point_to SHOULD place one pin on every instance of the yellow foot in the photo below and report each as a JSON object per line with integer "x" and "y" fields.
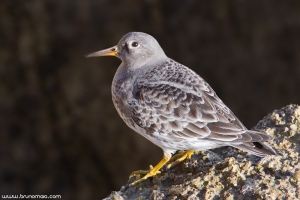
{"x": 142, "y": 172}
{"x": 180, "y": 157}
{"x": 152, "y": 172}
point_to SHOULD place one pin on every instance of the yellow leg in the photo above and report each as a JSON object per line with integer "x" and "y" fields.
{"x": 180, "y": 157}
{"x": 152, "y": 172}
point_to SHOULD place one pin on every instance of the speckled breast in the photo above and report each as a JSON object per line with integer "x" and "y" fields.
{"x": 121, "y": 94}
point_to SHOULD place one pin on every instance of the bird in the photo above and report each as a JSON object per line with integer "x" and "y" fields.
{"x": 172, "y": 106}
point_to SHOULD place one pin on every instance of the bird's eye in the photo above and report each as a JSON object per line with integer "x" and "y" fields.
{"x": 134, "y": 44}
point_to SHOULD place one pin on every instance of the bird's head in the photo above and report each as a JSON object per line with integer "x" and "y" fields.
{"x": 135, "y": 49}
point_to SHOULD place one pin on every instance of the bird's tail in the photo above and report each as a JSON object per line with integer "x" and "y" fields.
{"x": 256, "y": 148}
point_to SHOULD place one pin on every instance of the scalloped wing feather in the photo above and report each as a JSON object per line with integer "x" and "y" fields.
{"x": 180, "y": 104}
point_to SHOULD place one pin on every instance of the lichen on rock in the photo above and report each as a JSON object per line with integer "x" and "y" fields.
{"x": 229, "y": 173}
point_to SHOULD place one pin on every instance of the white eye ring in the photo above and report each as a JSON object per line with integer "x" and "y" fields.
{"x": 135, "y": 44}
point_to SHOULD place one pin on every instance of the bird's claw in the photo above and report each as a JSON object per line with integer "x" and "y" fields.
{"x": 179, "y": 158}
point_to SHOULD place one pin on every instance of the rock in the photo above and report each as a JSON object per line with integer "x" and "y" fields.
{"x": 229, "y": 173}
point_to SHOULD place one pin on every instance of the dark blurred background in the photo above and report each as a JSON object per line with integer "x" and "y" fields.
{"x": 59, "y": 131}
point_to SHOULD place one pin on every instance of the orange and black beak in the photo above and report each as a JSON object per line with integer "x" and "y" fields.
{"x": 112, "y": 51}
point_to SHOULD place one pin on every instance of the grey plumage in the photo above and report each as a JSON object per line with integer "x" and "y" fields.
{"x": 171, "y": 105}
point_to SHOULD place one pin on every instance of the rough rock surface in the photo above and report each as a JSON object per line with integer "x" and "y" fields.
{"x": 229, "y": 173}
